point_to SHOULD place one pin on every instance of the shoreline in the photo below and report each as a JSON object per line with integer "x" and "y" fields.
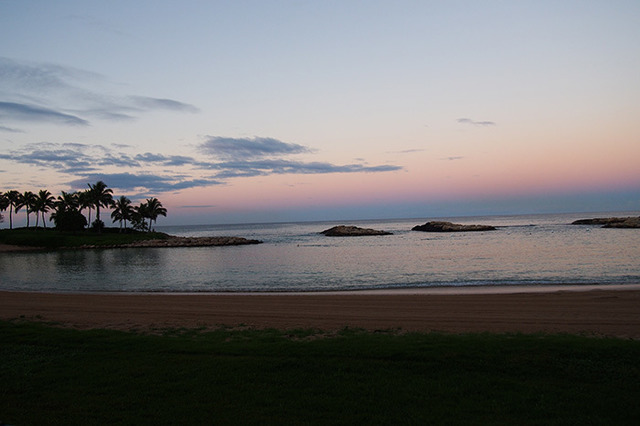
{"x": 171, "y": 242}
{"x": 593, "y": 311}
{"x": 433, "y": 290}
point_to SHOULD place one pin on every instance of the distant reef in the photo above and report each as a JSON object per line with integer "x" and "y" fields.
{"x": 451, "y": 227}
{"x": 611, "y": 222}
{"x": 352, "y": 231}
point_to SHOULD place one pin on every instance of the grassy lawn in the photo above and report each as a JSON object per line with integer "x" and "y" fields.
{"x": 51, "y": 238}
{"x": 59, "y": 376}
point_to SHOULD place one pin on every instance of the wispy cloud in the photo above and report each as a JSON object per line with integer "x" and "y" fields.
{"x": 69, "y": 96}
{"x": 165, "y": 160}
{"x": 36, "y": 77}
{"x": 22, "y": 112}
{"x": 260, "y": 156}
{"x": 135, "y": 171}
{"x": 281, "y": 166}
{"x": 162, "y": 104}
{"x": 406, "y": 151}
{"x": 10, "y": 130}
{"x": 143, "y": 183}
{"x": 66, "y": 158}
{"x": 475, "y": 123}
{"x": 452, "y": 158}
{"x": 248, "y": 148}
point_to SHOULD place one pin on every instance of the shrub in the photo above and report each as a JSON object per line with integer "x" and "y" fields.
{"x": 70, "y": 220}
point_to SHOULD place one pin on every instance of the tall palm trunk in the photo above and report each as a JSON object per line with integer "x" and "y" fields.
{"x": 98, "y": 218}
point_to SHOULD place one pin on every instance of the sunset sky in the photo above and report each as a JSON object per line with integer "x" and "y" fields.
{"x": 267, "y": 111}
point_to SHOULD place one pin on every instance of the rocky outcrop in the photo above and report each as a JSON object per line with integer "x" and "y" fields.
{"x": 352, "y": 231}
{"x": 611, "y": 222}
{"x": 630, "y": 222}
{"x": 451, "y": 227}
{"x": 184, "y": 242}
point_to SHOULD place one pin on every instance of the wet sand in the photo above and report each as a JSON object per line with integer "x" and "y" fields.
{"x": 592, "y": 310}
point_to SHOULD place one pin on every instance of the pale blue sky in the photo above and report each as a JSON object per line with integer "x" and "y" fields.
{"x": 354, "y": 108}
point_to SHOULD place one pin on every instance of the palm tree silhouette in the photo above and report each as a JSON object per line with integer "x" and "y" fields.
{"x": 123, "y": 210}
{"x": 4, "y": 204}
{"x": 68, "y": 208}
{"x": 44, "y": 203}
{"x": 67, "y": 215}
{"x": 140, "y": 213}
{"x": 67, "y": 201}
{"x": 28, "y": 201}
{"x": 14, "y": 199}
{"x": 101, "y": 196}
{"x": 154, "y": 209}
{"x": 84, "y": 202}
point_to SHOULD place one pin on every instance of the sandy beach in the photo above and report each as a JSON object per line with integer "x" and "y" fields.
{"x": 592, "y": 310}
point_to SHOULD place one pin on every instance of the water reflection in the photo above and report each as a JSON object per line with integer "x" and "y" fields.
{"x": 296, "y": 257}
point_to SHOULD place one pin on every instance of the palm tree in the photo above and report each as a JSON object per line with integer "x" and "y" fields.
{"x": 14, "y": 199}
{"x": 67, "y": 201}
{"x": 154, "y": 209}
{"x": 123, "y": 210}
{"x": 101, "y": 196}
{"x": 4, "y": 204}
{"x": 44, "y": 203}
{"x": 140, "y": 213}
{"x": 28, "y": 201}
{"x": 84, "y": 201}
{"x": 67, "y": 215}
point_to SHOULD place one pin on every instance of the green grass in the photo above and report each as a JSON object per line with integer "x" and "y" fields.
{"x": 59, "y": 376}
{"x": 51, "y": 238}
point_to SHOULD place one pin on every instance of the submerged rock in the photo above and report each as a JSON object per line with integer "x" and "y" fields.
{"x": 451, "y": 227}
{"x": 352, "y": 231}
{"x": 181, "y": 242}
{"x": 611, "y": 222}
{"x": 194, "y": 242}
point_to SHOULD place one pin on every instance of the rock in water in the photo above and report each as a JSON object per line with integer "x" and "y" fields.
{"x": 352, "y": 231}
{"x": 451, "y": 227}
{"x": 611, "y": 222}
{"x": 629, "y": 222}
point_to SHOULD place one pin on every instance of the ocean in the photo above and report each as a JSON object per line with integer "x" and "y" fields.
{"x": 525, "y": 250}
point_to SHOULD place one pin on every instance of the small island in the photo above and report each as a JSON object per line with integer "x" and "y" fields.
{"x": 451, "y": 227}
{"x": 611, "y": 222}
{"x": 352, "y": 231}
{"x": 23, "y": 239}
{"x": 74, "y": 230}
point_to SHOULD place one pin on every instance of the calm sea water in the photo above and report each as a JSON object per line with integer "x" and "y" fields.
{"x": 525, "y": 250}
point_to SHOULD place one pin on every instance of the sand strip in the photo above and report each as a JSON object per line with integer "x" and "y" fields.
{"x": 602, "y": 312}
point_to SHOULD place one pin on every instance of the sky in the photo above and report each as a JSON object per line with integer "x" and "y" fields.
{"x": 275, "y": 111}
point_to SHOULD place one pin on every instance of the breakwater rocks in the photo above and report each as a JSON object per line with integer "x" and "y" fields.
{"x": 182, "y": 242}
{"x": 611, "y": 222}
{"x": 352, "y": 231}
{"x": 451, "y": 227}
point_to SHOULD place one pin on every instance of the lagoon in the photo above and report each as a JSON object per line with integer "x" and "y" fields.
{"x": 525, "y": 250}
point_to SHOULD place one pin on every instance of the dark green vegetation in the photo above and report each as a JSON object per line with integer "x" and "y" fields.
{"x": 61, "y": 376}
{"x": 52, "y": 238}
